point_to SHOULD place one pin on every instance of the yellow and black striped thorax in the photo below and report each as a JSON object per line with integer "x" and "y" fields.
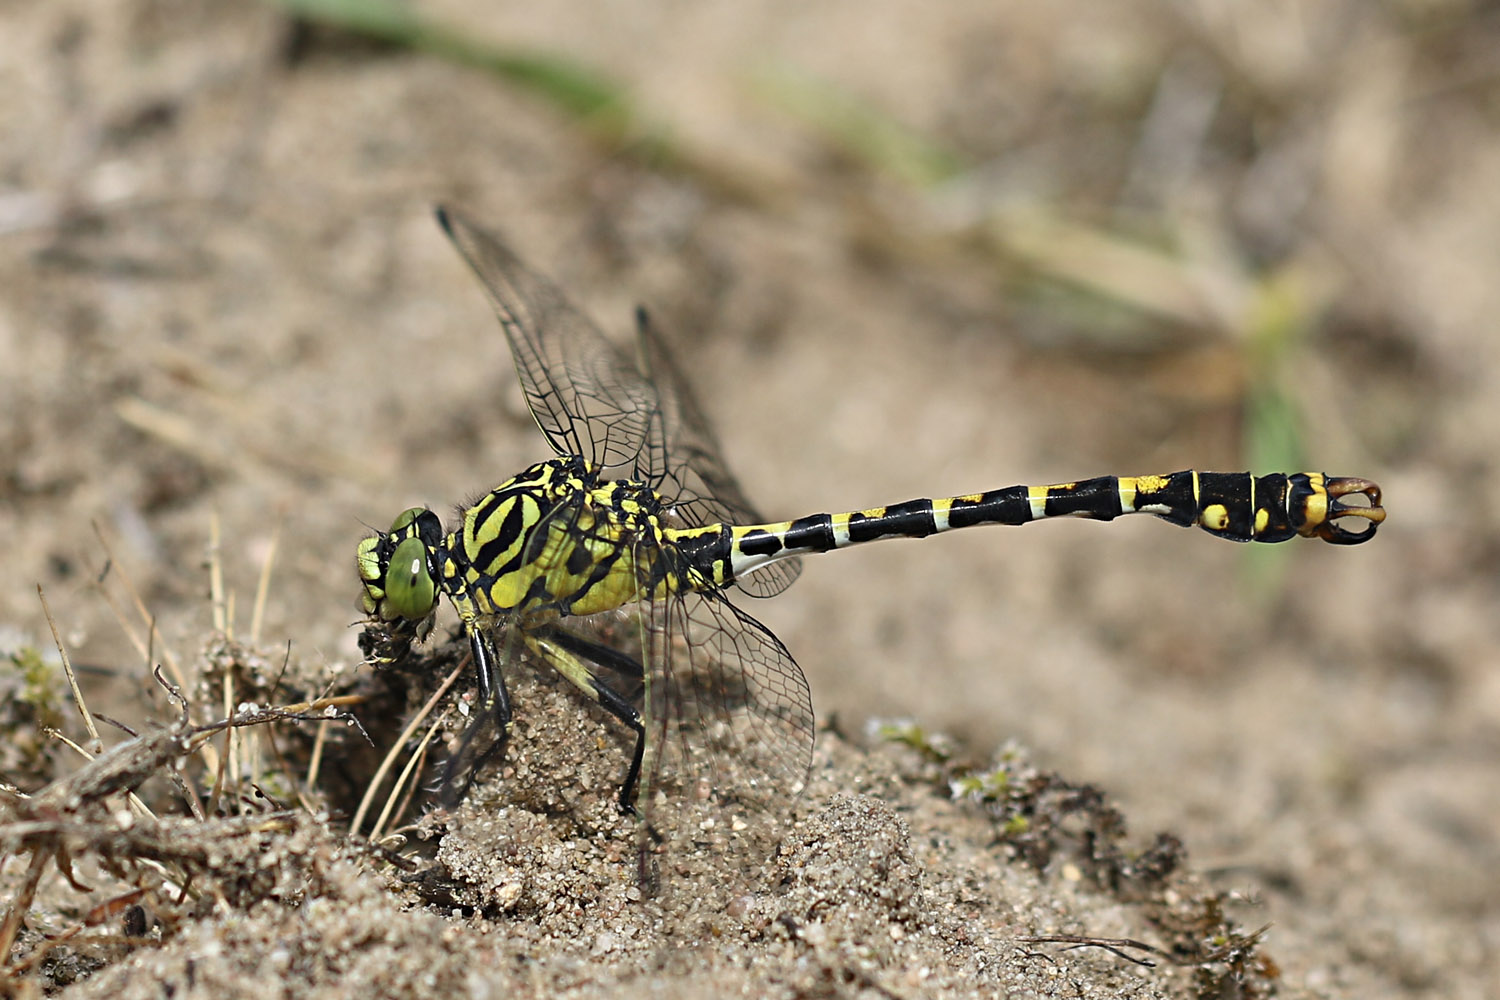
{"x": 554, "y": 540}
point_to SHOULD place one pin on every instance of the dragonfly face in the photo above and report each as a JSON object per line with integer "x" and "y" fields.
{"x": 554, "y": 540}
{"x": 399, "y": 569}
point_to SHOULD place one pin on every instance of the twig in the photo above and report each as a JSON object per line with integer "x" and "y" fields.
{"x": 1114, "y": 946}
{"x": 21, "y": 904}
{"x": 118, "y": 569}
{"x": 416, "y": 757}
{"x": 257, "y": 616}
{"x": 216, "y": 576}
{"x": 390, "y": 757}
{"x": 95, "y": 743}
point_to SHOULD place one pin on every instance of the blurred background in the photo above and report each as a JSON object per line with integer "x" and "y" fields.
{"x": 903, "y": 250}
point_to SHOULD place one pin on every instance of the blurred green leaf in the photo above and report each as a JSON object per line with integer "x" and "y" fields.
{"x": 861, "y": 131}
{"x": 567, "y": 85}
{"x": 1274, "y": 436}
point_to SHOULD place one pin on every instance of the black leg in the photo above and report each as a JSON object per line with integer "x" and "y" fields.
{"x": 493, "y": 696}
{"x": 494, "y": 705}
{"x": 606, "y": 656}
{"x": 611, "y": 700}
{"x": 626, "y": 713}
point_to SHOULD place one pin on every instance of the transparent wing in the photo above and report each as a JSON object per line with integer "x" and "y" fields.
{"x": 590, "y": 400}
{"x": 684, "y": 462}
{"x": 586, "y": 397}
{"x": 726, "y": 707}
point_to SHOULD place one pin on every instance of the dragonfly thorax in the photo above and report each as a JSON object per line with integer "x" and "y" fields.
{"x": 555, "y": 540}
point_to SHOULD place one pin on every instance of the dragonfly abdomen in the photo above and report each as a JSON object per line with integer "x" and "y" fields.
{"x": 1233, "y": 505}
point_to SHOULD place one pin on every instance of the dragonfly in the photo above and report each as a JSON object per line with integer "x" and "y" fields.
{"x": 637, "y": 523}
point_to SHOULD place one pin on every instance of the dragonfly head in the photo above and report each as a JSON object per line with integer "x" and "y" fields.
{"x": 399, "y": 571}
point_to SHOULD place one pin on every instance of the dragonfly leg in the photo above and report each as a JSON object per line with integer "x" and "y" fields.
{"x": 494, "y": 705}
{"x": 494, "y": 699}
{"x": 565, "y": 652}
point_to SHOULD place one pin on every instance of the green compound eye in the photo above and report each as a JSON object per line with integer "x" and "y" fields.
{"x": 368, "y": 560}
{"x": 371, "y": 573}
{"x": 405, "y": 519}
{"x": 409, "y": 588}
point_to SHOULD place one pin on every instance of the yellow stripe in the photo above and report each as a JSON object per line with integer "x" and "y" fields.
{"x": 1037, "y": 497}
{"x": 940, "y": 510}
{"x": 840, "y": 530}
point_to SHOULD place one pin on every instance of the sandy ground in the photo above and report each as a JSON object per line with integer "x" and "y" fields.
{"x": 902, "y": 254}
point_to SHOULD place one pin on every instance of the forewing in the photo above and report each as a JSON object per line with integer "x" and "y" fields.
{"x": 587, "y": 398}
{"x": 683, "y": 461}
{"x": 590, "y": 400}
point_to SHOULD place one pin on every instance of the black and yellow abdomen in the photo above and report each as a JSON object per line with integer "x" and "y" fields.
{"x": 1234, "y": 505}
